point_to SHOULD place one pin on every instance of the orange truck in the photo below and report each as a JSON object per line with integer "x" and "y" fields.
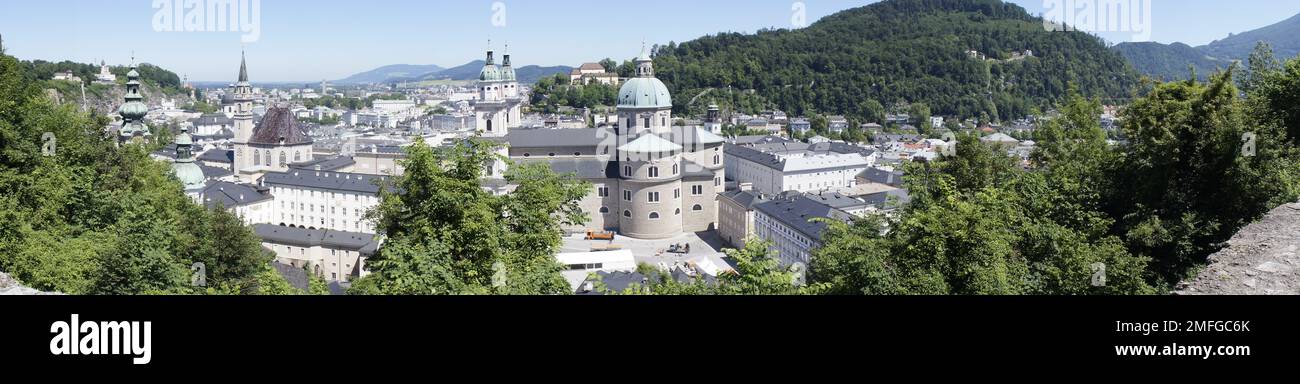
{"x": 594, "y": 235}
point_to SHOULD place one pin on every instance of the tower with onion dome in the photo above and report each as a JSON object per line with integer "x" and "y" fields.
{"x": 133, "y": 111}
{"x": 190, "y": 175}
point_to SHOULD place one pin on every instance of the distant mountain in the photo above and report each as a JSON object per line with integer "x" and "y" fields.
{"x": 389, "y": 73}
{"x": 1171, "y": 61}
{"x": 1283, "y": 36}
{"x": 469, "y": 71}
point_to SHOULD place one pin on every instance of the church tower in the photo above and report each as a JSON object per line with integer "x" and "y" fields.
{"x": 133, "y": 111}
{"x": 491, "y": 110}
{"x": 243, "y": 119}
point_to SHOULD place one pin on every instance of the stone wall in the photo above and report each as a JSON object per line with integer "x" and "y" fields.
{"x": 1262, "y": 259}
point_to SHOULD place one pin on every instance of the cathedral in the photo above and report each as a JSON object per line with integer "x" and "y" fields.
{"x": 650, "y": 179}
{"x": 498, "y": 106}
{"x": 270, "y": 146}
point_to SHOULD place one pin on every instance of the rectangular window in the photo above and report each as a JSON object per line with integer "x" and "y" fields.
{"x": 602, "y": 191}
{"x": 654, "y": 197}
{"x": 697, "y": 190}
{"x": 627, "y": 195}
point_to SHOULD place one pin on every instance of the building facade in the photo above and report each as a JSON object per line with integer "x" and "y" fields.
{"x": 322, "y": 200}
{"x": 650, "y": 179}
{"x": 775, "y": 167}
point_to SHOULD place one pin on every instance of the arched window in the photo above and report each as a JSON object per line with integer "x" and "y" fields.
{"x": 654, "y": 215}
{"x": 604, "y": 210}
{"x": 268, "y": 157}
{"x": 489, "y": 125}
{"x": 297, "y": 157}
{"x": 675, "y": 169}
{"x": 627, "y": 213}
{"x": 551, "y": 154}
{"x": 697, "y": 207}
{"x": 284, "y": 159}
{"x": 678, "y": 212}
{"x": 257, "y": 157}
{"x": 527, "y": 154}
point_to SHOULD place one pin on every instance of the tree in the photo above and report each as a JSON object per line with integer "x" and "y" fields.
{"x": 1191, "y": 174}
{"x": 446, "y": 235}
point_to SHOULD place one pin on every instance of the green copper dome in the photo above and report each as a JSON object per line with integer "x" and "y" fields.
{"x": 644, "y": 92}
{"x": 489, "y": 73}
{"x": 189, "y": 174}
{"x": 133, "y": 110}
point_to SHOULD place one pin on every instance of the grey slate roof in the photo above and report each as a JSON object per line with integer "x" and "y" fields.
{"x": 229, "y": 194}
{"x": 881, "y": 200}
{"x": 880, "y": 176}
{"x": 751, "y": 140}
{"x": 325, "y": 164}
{"x": 837, "y": 200}
{"x": 334, "y": 181}
{"x": 212, "y": 119}
{"x": 745, "y": 199}
{"x": 798, "y": 214}
{"x": 214, "y": 172}
{"x": 549, "y": 138}
{"x": 218, "y": 156}
{"x": 302, "y": 237}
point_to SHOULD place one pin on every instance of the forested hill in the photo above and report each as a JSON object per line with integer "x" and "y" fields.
{"x": 902, "y": 50}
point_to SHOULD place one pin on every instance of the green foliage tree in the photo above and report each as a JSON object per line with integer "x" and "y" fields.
{"x": 446, "y": 235}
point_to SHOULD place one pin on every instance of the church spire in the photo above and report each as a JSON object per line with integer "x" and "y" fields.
{"x": 243, "y": 68}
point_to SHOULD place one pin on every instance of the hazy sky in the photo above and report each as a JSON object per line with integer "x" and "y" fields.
{"x": 311, "y": 40}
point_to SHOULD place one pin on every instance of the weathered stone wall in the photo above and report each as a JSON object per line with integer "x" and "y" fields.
{"x": 9, "y": 286}
{"x": 1262, "y": 259}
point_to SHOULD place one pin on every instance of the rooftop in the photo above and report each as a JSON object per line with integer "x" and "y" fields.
{"x": 302, "y": 237}
{"x": 799, "y": 213}
{"x": 333, "y": 181}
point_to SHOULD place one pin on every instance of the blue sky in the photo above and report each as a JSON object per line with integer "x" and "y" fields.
{"x": 308, "y": 41}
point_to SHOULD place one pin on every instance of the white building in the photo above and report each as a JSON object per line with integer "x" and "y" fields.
{"x": 792, "y": 166}
{"x": 336, "y": 256}
{"x": 789, "y": 225}
{"x": 322, "y": 200}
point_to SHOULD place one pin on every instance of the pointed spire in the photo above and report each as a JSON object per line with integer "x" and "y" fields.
{"x": 243, "y": 68}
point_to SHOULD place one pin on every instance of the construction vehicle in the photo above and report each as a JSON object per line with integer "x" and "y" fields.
{"x": 606, "y": 235}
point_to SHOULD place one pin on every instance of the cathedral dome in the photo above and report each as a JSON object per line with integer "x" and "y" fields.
{"x": 644, "y": 92}
{"x": 489, "y": 73}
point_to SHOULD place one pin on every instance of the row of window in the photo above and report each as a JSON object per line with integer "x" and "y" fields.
{"x": 284, "y": 158}
{"x": 652, "y": 196}
{"x": 653, "y": 215}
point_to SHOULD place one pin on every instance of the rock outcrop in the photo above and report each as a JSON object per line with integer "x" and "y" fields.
{"x": 9, "y": 286}
{"x": 1262, "y": 259}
